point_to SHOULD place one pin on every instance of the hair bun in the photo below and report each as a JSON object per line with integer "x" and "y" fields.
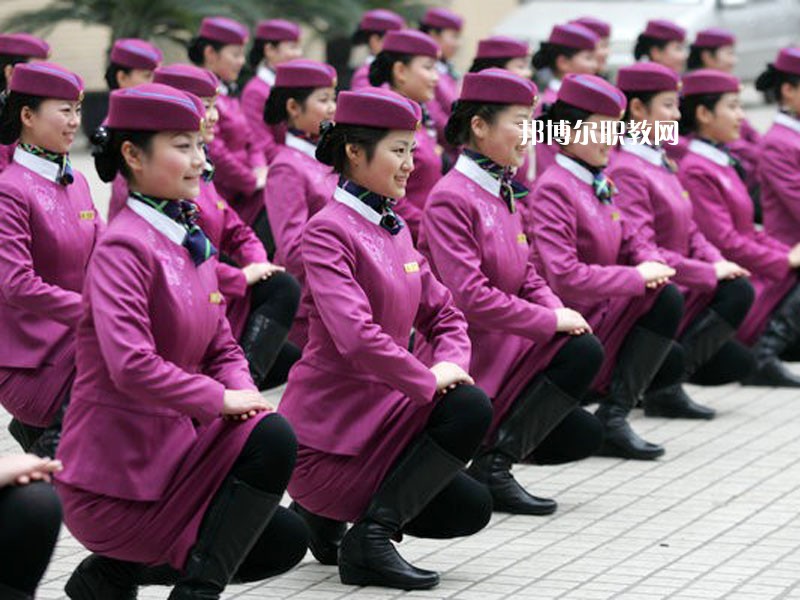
{"x": 326, "y": 127}
{"x": 100, "y": 140}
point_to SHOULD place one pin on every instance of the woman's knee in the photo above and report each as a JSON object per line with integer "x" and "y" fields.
{"x": 576, "y": 365}
{"x": 578, "y": 436}
{"x": 33, "y": 508}
{"x": 733, "y": 300}
{"x": 666, "y": 313}
{"x": 268, "y": 457}
{"x": 281, "y": 293}
{"x": 471, "y": 407}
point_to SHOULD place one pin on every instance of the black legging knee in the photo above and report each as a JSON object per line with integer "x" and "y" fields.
{"x": 576, "y": 364}
{"x": 460, "y": 420}
{"x": 462, "y": 508}
{"x": 578, "y": 436}
{"x": 267, "y": 459}
{"x": 665, "y": 315}
{"x": 733, "y": 300}
{"x": 280, "y": 547}
{"x": 276, "y": 298}
{"x": 30, "y": 518}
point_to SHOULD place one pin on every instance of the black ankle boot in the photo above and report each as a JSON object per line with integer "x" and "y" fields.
{"x": 782, "y": 332}
{"x": 637, "y": 363}
{"x": 261, "y": 341}
{"x": 541, "y": 407}
{"x": 25, "y": 435}
{"x": 47, "y": 443}
{"x": 325, "y": 535}
{"x": 234, "y": 521}
{"x": 672, "y": 402}
{"x": 367, "y": 555}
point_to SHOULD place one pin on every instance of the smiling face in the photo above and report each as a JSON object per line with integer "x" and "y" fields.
{"x": 52, "y": 126}
{"x": 521, "y": 66}
{"x": 584, "y": 61}
{"x": 417, "y": 80}
{"x": 723, "y": 59}
{"x": 664, "y": 106}
{"x": 601, "y": 53}
{"x": 226, "y": 63}
{"x": 723, "y": 124}
{"x": 318, "y": 107}
{"x": 275, "y": 54}
{"x": 673, "y": 55}
{"x": 501, "y": 140}
{"x": 449, "y": 41}
{"x": 171, "y": 166}
{"x": 212, "y": 116}
{"x": 594, "y": 153}
{"x": 391, "y": 164}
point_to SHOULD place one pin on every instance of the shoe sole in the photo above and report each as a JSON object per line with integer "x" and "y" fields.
{"x": 350, "y": 575}
{"x": 614, "y": 451}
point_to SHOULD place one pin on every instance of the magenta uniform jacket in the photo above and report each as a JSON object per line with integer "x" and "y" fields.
{"x": 779, "y": 175}
{"x": 143, "y": 443}
{"x": 357, "y": 397}
{"x": 447, "y": 90}
{"x": 654, "y": 201}
{"x": 724, "y": 212}
{"x": 47, "y": 234}
{"x": 119, "y": 195}
{"x": 298, "y": 187}
{"x": 6, "y": 155}
{"x": 427, "y": 171}
{"x": 234, "y": 239}
{"x": 478, "y": 249}
{"x": 360, "y": 78}
{"x": 588, "y": 254}
{"x": 746, "y": 151}
{"x": 545, "y": 154}
{"x": 236, "y": 153}
{"x": 254, "y": 98}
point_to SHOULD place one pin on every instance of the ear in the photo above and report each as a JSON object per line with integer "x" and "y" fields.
{"x": 209, "y": 54}
{"x": 637, "y": 109}
{"x": 8, "y": 70}
{"x": 270, "y": 51}
{"x": 479, "y": 127}
{"x": 293, "y": 108}
{"x": 26, "y": 116}
{"x": 563, "y": 64}
{"x": 132, "y": 155}
{"x": 788, "y": 90}
{"x": 399, "y": 72}
{"x": 353, "y": 152}
{"x": 121, "y": 76}
{"x": 703, "y": 115}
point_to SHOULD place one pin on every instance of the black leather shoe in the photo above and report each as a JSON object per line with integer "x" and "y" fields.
{"x": 508, "y": 496}
{"x": 672, "y": 402}
{"x": 623, "y": 442}
{"x": 325, "y": 535}
{"x": 102, "y": 578}
{"x": 772, "y": 373}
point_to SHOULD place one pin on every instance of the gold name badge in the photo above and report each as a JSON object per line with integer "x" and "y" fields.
{"x": 87, "y": 215}
{"x": 221, "y": 204}
{"x": 412, "y": 267}
{"x": 215, "y": 298}
{"x": 685, "y": 194}
{"x": 522, "y": 238}
{"x": 615, "y": 216}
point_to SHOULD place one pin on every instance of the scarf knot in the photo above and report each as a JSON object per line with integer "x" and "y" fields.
{"x": 65, "y": 175}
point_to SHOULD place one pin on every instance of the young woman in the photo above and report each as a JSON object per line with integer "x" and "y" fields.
{"x": 779, "y": 163}
{"x": 712, "y": 113}
{"x": 522, "y": 354}
{"x": 299, "y": 185}
{"x": 48, "y": 230}
{"x": 593, "y": 259}
{"x": 241, "y": 171}
{"x": 132, "y": 62}
{"x": 30, "y": 519}
{"x": 276, "y": 42}
{"x": 602, "y": 29}
{"x": 407, "y": 64}
{"x": 383, "y": 436}
{"x": 444, "y": 26}
{"x": 662, "y": 42}
{"x": 261, "y": 298}
{"x": 716, "y": 294}
{"x": 372, "y": 28}
{"x": 16, "y": 48}
{"x": 171, "y": 455}
{"x": 569, "y": 49}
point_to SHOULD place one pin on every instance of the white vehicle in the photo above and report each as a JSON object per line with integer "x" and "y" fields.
{"x": 761, "y": 26}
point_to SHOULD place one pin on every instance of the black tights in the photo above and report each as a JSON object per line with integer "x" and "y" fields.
{"x": 663, "y": 319}
{"x": 458, "y": 424}
{"x": 30, "y": 518}
{"x": 263, "y": 232}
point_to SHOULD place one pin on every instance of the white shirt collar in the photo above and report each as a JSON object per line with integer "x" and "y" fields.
{"x": 441, "y": 66}
{"x": 554, "y": 84}
{"x": 472, "y": 170}
{"x": 357, "y": 205}
{"x": 579, "y": 171}
{"x": 708, "y": 151}
{"x": 173, "y": 231}
{"x": 645, "y": 152}
{"x": 788, "y": 122}
{"x": 41, "y": 166}
{"x": 301, "y": 145}
{"x": 370, "y": 59}
{"x": 266, "y": 74}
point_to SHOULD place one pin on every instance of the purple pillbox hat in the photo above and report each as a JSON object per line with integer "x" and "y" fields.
{"x": 154, "y": 107}
{"x": 714, "y": 37}
{"x": 409, "y": 41}
{"x": 709, "y": 81}
{"x": 441, "y": 18}
{"x": 602, "y": 29}
{"x": 23, "y": 44}
{"x": 223, "y": 30}
{"x": 277, "y": 30}
{"x": 573, "y": 36}
{"x": 379, "y": 108}
{"x": 498, "y": 86}
{"x": 592, "y": 94}
{"x": 788, "y": 61}
{"x": 381, "y": 20}
{"x": 304, "y": 73}
{"x": 500, "y": 46}
{"x": 188, "y": 78}
{"x": 47, "y": 80}
{"x": 136, "y": 54}
{"x": 661, "y": 29}
{"x": 648, "y": 77}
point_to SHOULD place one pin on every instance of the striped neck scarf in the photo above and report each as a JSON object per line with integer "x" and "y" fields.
{"x": 65, "y": 175}
{"x": 510, "y": 190}
{"x": 380, "y": 204}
